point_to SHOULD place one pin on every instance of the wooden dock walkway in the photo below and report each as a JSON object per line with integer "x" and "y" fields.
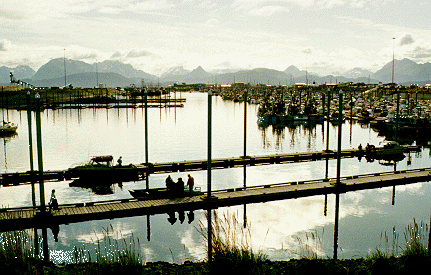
{"x": 10, "y": 179}
{"x": 21, "y": 218}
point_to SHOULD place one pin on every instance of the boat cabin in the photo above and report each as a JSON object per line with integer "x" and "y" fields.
{"x": 101, "y": 161}
{"x": 390, "y": 144}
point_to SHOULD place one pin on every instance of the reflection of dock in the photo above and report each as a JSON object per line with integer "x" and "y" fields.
{"x": 8, "y": 179}
{"x": 15, "y": 218}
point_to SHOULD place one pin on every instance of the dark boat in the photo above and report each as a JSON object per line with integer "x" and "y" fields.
{"x": 391, "y": 150}
{"x": 161, "y": 193}
{"x": 101, "y": 168}
{"x": 8, "y": 128}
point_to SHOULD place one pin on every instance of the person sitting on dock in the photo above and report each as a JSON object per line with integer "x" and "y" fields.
{"x": 53, "y": 204}
{"x": 120, "y": 161}
{"x": 190, "y": 184}
{"x": 360, "y": 147}
{"x": 169, "y": 184}
{"x": 179, "y": 188}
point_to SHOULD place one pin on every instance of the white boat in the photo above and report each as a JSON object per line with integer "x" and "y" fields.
{"x": 8, "y": 128}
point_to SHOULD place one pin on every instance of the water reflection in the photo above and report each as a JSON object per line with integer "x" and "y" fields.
{"x": 181, "y": 216}
{"x": 98, "y": 189}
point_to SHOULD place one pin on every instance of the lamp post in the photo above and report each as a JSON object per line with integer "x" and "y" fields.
{"x": 64, "y": 63}
{"x": 393, "y": 58}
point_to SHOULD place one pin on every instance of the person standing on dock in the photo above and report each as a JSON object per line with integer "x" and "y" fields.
{"x": 53, "y": 204}
{"x": 120, "y": 161}
{"x": 190, "y": 184}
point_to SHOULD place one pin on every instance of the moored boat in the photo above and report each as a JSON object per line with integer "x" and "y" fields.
{"x": 159, "y": 193}
{"x": 389, "y": 148}
{"x": 102, "y": 168}
{"x": 8, "y": 128}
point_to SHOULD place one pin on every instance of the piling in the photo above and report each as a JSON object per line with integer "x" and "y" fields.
{"x": 146, "y": 133}
{"x": 337, "y": 195}
{"x": 41, "y": 184}
{"x": 209, "y": 178}
{"x": 39, "y": 154}
{"x": 30, "y": 144}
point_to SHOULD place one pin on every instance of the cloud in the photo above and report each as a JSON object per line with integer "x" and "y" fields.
{"x": 420, "y": 52}
{"x": 138, "y": 53}
{"x": 81, "y": 56}
{"x": 208, "y": 5}
{"x": 268, "y": 10}
{"x": 308, "y": 50}
{"x": 116, "y": 54}
{"x": 4, "y": 45}
{"x": 212, "y": 22}
{"x": 417, "y": 50}
{"x": 11, "y": 14}
{"x": 407, "y": 39}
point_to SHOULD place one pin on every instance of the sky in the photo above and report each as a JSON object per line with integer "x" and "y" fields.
{"x": 321, "y": 36}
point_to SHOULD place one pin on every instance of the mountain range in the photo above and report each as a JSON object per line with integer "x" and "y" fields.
{"x": 117, "y": 74}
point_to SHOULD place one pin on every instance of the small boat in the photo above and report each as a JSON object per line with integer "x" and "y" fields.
{"x": 390, "y": 148}
{"x": 8, "y": 128}
{"x": 102, "y": 168}
{"x": 159, "y": 193}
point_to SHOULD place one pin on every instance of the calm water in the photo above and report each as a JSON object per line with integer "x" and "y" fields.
{"x": 71, "y": 136}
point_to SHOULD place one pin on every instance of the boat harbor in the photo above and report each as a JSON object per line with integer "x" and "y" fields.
{"x": 280, "y": 175}
{"x": 19, "y": 218}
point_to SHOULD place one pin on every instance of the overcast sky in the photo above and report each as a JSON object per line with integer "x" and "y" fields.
{"x": 322, "y": 36}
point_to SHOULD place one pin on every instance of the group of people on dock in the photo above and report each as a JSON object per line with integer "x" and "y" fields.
{"x": 178, "y": 188}
{"x": 368, "y": 149}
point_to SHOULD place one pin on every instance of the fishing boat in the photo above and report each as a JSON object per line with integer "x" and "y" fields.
{"x": 8, "y": 128}
{"x": 160, "y": 193}
{"x": 271, "y": 112}
{"x": 390, "y": 148}
{"x": 102, "y": 168}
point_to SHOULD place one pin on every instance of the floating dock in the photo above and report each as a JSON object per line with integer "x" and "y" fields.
{"x": 11, "y": 179}
{"x": 30, "y": 217}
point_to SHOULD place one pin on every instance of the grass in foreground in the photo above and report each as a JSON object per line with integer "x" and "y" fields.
{"x": 231, "y": 247}
{"x": 231, "y": 252}
{"x": 16, "y": 253}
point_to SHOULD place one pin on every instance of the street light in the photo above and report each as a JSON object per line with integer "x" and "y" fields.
{"x": 393, "y": 58}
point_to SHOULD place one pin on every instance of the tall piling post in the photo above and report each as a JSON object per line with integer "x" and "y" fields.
{"x": 209, "y": 178}
{"x": 340, "y": 122}
{"x": 209, "y": 148}
{"x": 146, "y": 136}
{"x": 41, "y": 179}
{"x": 398, "y": 115}
{"x": 39, "y": 154}
{"x": 327, "y": 118}
{"x": 30, "y": 144}
{"x": 33, "y": 191}
{"x": 337, "y": 195}
{"x": 245, "y": 152}
{"x": 245, "y": 121}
